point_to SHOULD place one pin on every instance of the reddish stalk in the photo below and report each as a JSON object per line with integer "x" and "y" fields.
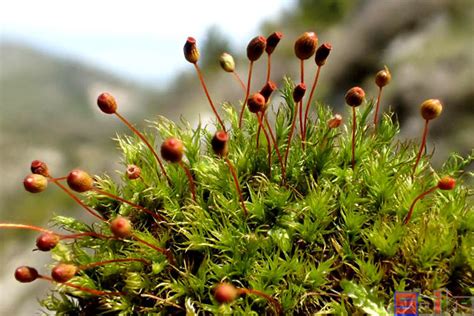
{"x": 140, "y": 135}
{"x": 78, "y": 201}
{"x": 269, "y": 66}
{"x": 301, "y": 102}
{"x": 192, "y": 187}
{"x": 412, "y": 207}
{"x": 376, "y": 115}
{"x": 269, "y": 144}
{"x": 80, "y": 288}
{"x": 166, "y": 252}
{"x": 259, "y": 129}
{"x": 88, "y": 234}
{"x": 271, "y": 300}
{"x": 236, "y": 181}
{"x": 354, "y": 126}
{"x": 242, "y": 84}
{"x": 30, "y": 227}
{"x": 422, "y": 147}
{"x": 290, "y": 136}
{"x": 247, "y": 93}
{"x": 275, "y": 145}
{"x": 308, "y": 103}
{"x": 57, "y": 179}
{"x": 101, "y": 263}
{"x": 203, "y": 84}
{"x": 156, "y": 216}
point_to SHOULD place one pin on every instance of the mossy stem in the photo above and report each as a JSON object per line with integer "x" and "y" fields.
{"x": 166, "y": 252}
{"x": 271, "y": 300}
{"x": 101, "y": 263}
{"x": 156, "y": 216}
{"x": 422, "y": 147}
{"x": 376, "y": 114}
{"x": 203, "y": 84}
{"x": 354, "y": 127}
{"x": 237, "y": 185}
{"x": 81, "y": 288}
{"x": 247, "y": 92}
{"x": 412, "y": 207}
{"x": 192, "y": 187}
{"x": 140, "y": 135}
{"x": 308, "y": 103}
{"x": 78, "y": 201}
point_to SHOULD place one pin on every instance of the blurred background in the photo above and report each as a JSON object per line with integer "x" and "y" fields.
{"x": 57, "y": 56}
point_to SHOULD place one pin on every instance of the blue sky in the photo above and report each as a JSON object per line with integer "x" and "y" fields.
{"x": 140, "y": 39}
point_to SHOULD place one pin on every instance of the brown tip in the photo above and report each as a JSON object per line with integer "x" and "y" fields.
{"x": 63, "y": 272}
{"x": 305, "y": 45}
{"x": 268, "y": 89}
{"x": 80, "y": 181}
{"x": 431, "y": 109}
{"x": 121, "y": 227}
{"x": 322, "y": 54}
{"x": 39, "y": 167}
{"x": 172, "y": 150}
{"x": 446, "y": 183}
{"x": 298, "y": 92}
{"x": 256, "y": 103}
{"x": 335, "y": 121}
{"x": 355, "y": 96}
{"x": 383, "y": 77}
{"x": 47, "y": 241}
{"x": 272, "y": 42}
{"x": 191, "y": 53}
{"x": 220, "y": 143}
{"x": 225, "y": 293}
{"x": 35, "y": 183}
{"x": 256, "y": 47}
{"x": 133, "y": 172}
{"x": 26, "y": 274}
{"x": 107, "y": 103}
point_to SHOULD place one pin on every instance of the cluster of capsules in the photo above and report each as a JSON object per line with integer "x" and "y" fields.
{"x": 172, "y": 151}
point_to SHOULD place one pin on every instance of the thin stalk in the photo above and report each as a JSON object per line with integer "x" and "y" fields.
{"x": 203, "y": 84}
{"x": 259, "y": 130}
{"x": 140, "y": 135}
{"x": 242, "y": 84}
{"x": 57, "y": 179}
{"x": 85, "y": 234}
{"x": 101, "y": 263}
{"x": 78, "y": 201}
{"x": 192, "y": 187}
{"x": 376, "y": 114}
{"x": 354, "y": 126}
{"x": 236, "y": 181}
{"x": 80, "y": 288}
{"x": 247, "y": 92}
{"x": 166, "y": 252}
{"x": 269, "y": 144}
{"x": 301, "y": 102}
{"x": 412, "y": 207}
{"x": 30, "y": 227}
{"x": 308, "y": 103}
{"x": 271, "y": 300}
{"x": 290, "y": 135}
{"x": 156, "y": 216}
{"x": 269, "y": 66}
{"x": 422, "y": 147}
{"x": 275, "y": 145}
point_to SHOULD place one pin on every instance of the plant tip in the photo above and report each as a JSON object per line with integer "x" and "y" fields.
{"x": 305, "y": 45}
{"x": 225, "y": 293}
{"x": 272, "y": 42}
{"x": 63, "y": 272}
{"x": 256, "y": 102}
{"x": 191, "y": 53}
{"x": 446, "y": 183}
{"x": 268, "y": 89}
{"x": 322, "y": 54}
{"x": 172, "y": 150}
{"x": 335, "y": 121}
{"x": 355, "y": 96}
{"x": 383, "y": 77}
{"x": 40, "y": 167}
{"x": 227, "y": 62}
{"x": 121, "y": 227}
{"x": 47, "y": 241}
{"x": 26, "y": 274}
{"x": 133, "y": 172}
{"x": 35, "y": 183}
{"x": 256, "y": 47}
{"x": 220, "y": 143}
{"x": 80, "y": 181}
{"x": 298, "y": 92}
{"x": 431, "y": 109}
{"x": 107, "y": 103}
